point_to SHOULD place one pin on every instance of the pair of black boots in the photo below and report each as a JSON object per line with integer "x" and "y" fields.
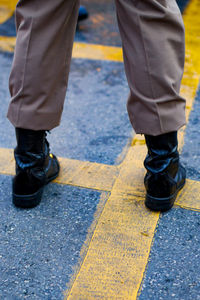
{"x": 36, "y": 167}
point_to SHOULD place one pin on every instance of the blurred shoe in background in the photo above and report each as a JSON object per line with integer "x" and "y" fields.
{"x": 83, "y": 13}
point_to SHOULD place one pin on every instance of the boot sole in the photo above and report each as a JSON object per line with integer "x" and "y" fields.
{"x": 32, "y": 200}
{"x": 28, "y": 201}
{"x": 162, "y": 204}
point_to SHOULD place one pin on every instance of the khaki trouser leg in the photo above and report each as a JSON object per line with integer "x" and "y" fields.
{"x": 38, "y": 80}
{"x": 152, "y": 33}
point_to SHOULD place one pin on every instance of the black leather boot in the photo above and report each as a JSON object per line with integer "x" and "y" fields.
{"x": 165, "y": 175}
{"x": 35, "y": 167}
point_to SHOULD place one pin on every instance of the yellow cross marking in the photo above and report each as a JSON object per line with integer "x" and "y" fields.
{"x": 118, "y": 251}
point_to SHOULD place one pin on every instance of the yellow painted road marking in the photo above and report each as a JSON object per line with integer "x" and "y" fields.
{"x": 102, "y": 177}
{"x": 189, "y": 197}
{"x": 5, "y": 13}
{"x": 80, "y": 50}
{"x": 10, "y": 4}
{"x": 118, "y": 252}
{"x": 73, "y": 172}
{"x": 97, "y": 52}
{"x": 7, "y": 44}
{"x": 86, "y": 174}
{"x": 7, "y": 8}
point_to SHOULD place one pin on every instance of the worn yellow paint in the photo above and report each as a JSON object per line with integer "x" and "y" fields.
{"x": 120, "y": 246}
{"x": 189, "y": 197}
{"x": 7, "y": 44}
{"x": 86, "y": 174}
{"x": 97, "y": 52}
{"x": 10, "y": 4}
{"x": 5, "y": 14}
{"x": 102, "y": 177}
{"x": 191, "y": 76}
{"x": 7, "y": 164}
{"x": 83, "y": 252}
{"x": 80, "y": 50}
{"x": 7, "y": 8}
{"x": 73, "y": 172}
{"x": 114, "y": 262}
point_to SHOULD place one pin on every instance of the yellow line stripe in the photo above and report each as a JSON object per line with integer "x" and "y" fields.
{"x": 189, "y": 197}
{"x": 7, "y": 44}
{"x": 10, "y": 4}
{"x": 97, "y": 52}
{"x": 80, "y": 50}
{"x": 87, "y": 175}
{"x": 118, "y": 252}
{"x": 5, "y": 13}
{"x": 73, "y": 172}
{"x": 102, "y": 177}
{"x": 7, "y": 8}
{"x": 119, "y": 249}
{"x": 190, "y": 80}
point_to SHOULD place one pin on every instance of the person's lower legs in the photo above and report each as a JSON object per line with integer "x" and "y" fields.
{"x": 38, "y": 82}
{"x": 153, "y": 45}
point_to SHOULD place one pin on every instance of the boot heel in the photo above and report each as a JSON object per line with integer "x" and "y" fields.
{"x": 159, "y": 204}
{"x": 28, "y": 201}
{"x": 162, "y": 204}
